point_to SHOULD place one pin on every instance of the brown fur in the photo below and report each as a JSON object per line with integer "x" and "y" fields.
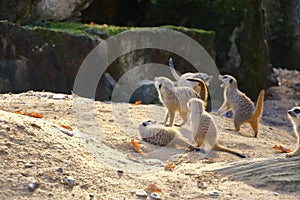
{"x": 294, "y": 115}
{"x": 164, "y": 136}
{"x": 204, "y": 127}
{"x": 242, "y": 107}
{"x": 174, "y": 99}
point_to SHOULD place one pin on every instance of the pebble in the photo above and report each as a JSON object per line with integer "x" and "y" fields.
{"x": 59, "y": 96}
{"x": 91, "y": 195}
{"x": 29, "y": 165}
{"x": 214, "y": 194}
{"x": 141, "y": 193}
{"x": 155, "y": 196}
{"x": 69, "y": 180}
{"x": 32, "y": 186}
{"x": 60, "y": 170}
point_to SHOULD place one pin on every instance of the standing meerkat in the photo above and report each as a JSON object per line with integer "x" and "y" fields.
{"x": 176, "y": 98}
{"x": 182, "y": 80}
{"x": 204, "y": 127}
{"x": 158, "y": 134}
{"x": 294, "y": 115}
{"x": 241, "y": 106}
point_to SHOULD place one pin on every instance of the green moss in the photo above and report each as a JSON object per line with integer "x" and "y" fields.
{"x": 80, "y": 29}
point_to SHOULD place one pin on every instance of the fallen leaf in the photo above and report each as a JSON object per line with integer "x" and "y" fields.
{"x": 34, "y": 114}
{"x": 30, "y": 114}
{"x": 136, "y": 146}
{"x": 66, "y": 127}
{"x": 137, "y": 103}
{"x": 152, "y": 188}
{"x": 170, "y": 167}
{"x": 282, "y": 149}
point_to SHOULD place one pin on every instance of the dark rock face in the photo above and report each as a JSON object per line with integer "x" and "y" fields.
{"x": 283, "y": 32}
{"x": 24, "y": 11}
{"x": 43, "y": 59}
{"x": 40, "y": 59}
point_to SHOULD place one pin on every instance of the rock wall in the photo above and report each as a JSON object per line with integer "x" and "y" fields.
{"x": 25, "y": 11}
{"x": 283, "y": 32}
{"x": 44, "y": 59}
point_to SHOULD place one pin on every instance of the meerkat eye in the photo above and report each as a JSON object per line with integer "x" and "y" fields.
{"x": 230, "y": 81}
{"x": 144, "y": 124}
{"x": 159, "y": 86}
{"x": 297, "y": 111}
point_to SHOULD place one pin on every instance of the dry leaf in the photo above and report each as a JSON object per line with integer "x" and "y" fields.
{"x": 137, "y": 103}
{"x": 170, "y": 167}
{"x": 282, "y": 149}
{"x": 30, "y": 114}
{"x": 152, "y": 188}
{"x": 66, "y": 127}
{"x": 136, "y": 146}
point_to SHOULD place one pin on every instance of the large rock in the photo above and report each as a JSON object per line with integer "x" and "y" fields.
{"x": 45, "y": 59}
{"x": 61, "y": 10}
{"x": 40, "y": 59}
{"x": 24, "y": 11}
{"x": 283, "y": 32}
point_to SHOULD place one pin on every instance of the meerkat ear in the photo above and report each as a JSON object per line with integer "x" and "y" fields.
{"x": 230, "y": 81}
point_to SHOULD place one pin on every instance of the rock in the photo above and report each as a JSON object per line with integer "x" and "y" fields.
{"x": 60, "y": 170}
{"x": 61, "y": 10}
{"x": 213, "y": 194}
{"x": 32, "y": 186}
{"x": 29, "y": 165}
{"x": 155, "y": 196}
{"x": 141, "y": 193}
{"x": 28, "y": 60}
{"x": 69, "y": 180}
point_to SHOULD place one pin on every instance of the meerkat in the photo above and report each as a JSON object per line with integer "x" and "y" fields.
{"x": 294, "y": 115}
{"x": 241, "y": 106}
{"x": 182, "y": 80}
{"x": 158, "y": 134}
{"x": 175, "y": 98}
{"x": 204, "y": 127}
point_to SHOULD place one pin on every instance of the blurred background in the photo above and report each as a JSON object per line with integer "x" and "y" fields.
{"x": 43, "y": 42}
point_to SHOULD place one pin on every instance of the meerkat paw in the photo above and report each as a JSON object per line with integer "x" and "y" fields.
{"x": 290, "y": 155}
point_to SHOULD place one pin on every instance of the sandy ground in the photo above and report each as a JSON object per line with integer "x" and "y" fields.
{"x": 38, "y": 160}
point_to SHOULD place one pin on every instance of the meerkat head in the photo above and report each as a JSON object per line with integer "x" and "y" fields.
{"x": 227, "y": 81}
{"x": 203, "y": 76}
{"x": 161, "y": 81}
{"x": 294, "y": 115}
{"x": 196, "y": 105}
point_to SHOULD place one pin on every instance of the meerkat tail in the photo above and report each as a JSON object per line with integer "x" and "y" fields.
{"x": 203, "y": 92}
{"x": 259, "y": 105}
{"x": 225, "y": 149}
{"x": 173, "y": 71}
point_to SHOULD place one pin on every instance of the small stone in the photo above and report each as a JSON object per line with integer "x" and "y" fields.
{"x": 29, "y": 165}
{"x": 91, "y": 195}
{"x": 155, "y": 196}
{"x": 69, "y": 180}
{"x": 60, "y": 170}
{"x": 111, "y": 120}
{"x": 32, "y": 186}
{"x": 141, "y": 193}
{"x": 213, "y": 194}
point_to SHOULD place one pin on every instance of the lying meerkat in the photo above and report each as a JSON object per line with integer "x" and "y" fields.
{"x": 158, "y": 134}
{"x": 241, "y": 106}
{"x": 294, "y": 115}
{"x": 204, "y": 127}
{"x": 182, "y": 80}
{"x": 176, "y": 98}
